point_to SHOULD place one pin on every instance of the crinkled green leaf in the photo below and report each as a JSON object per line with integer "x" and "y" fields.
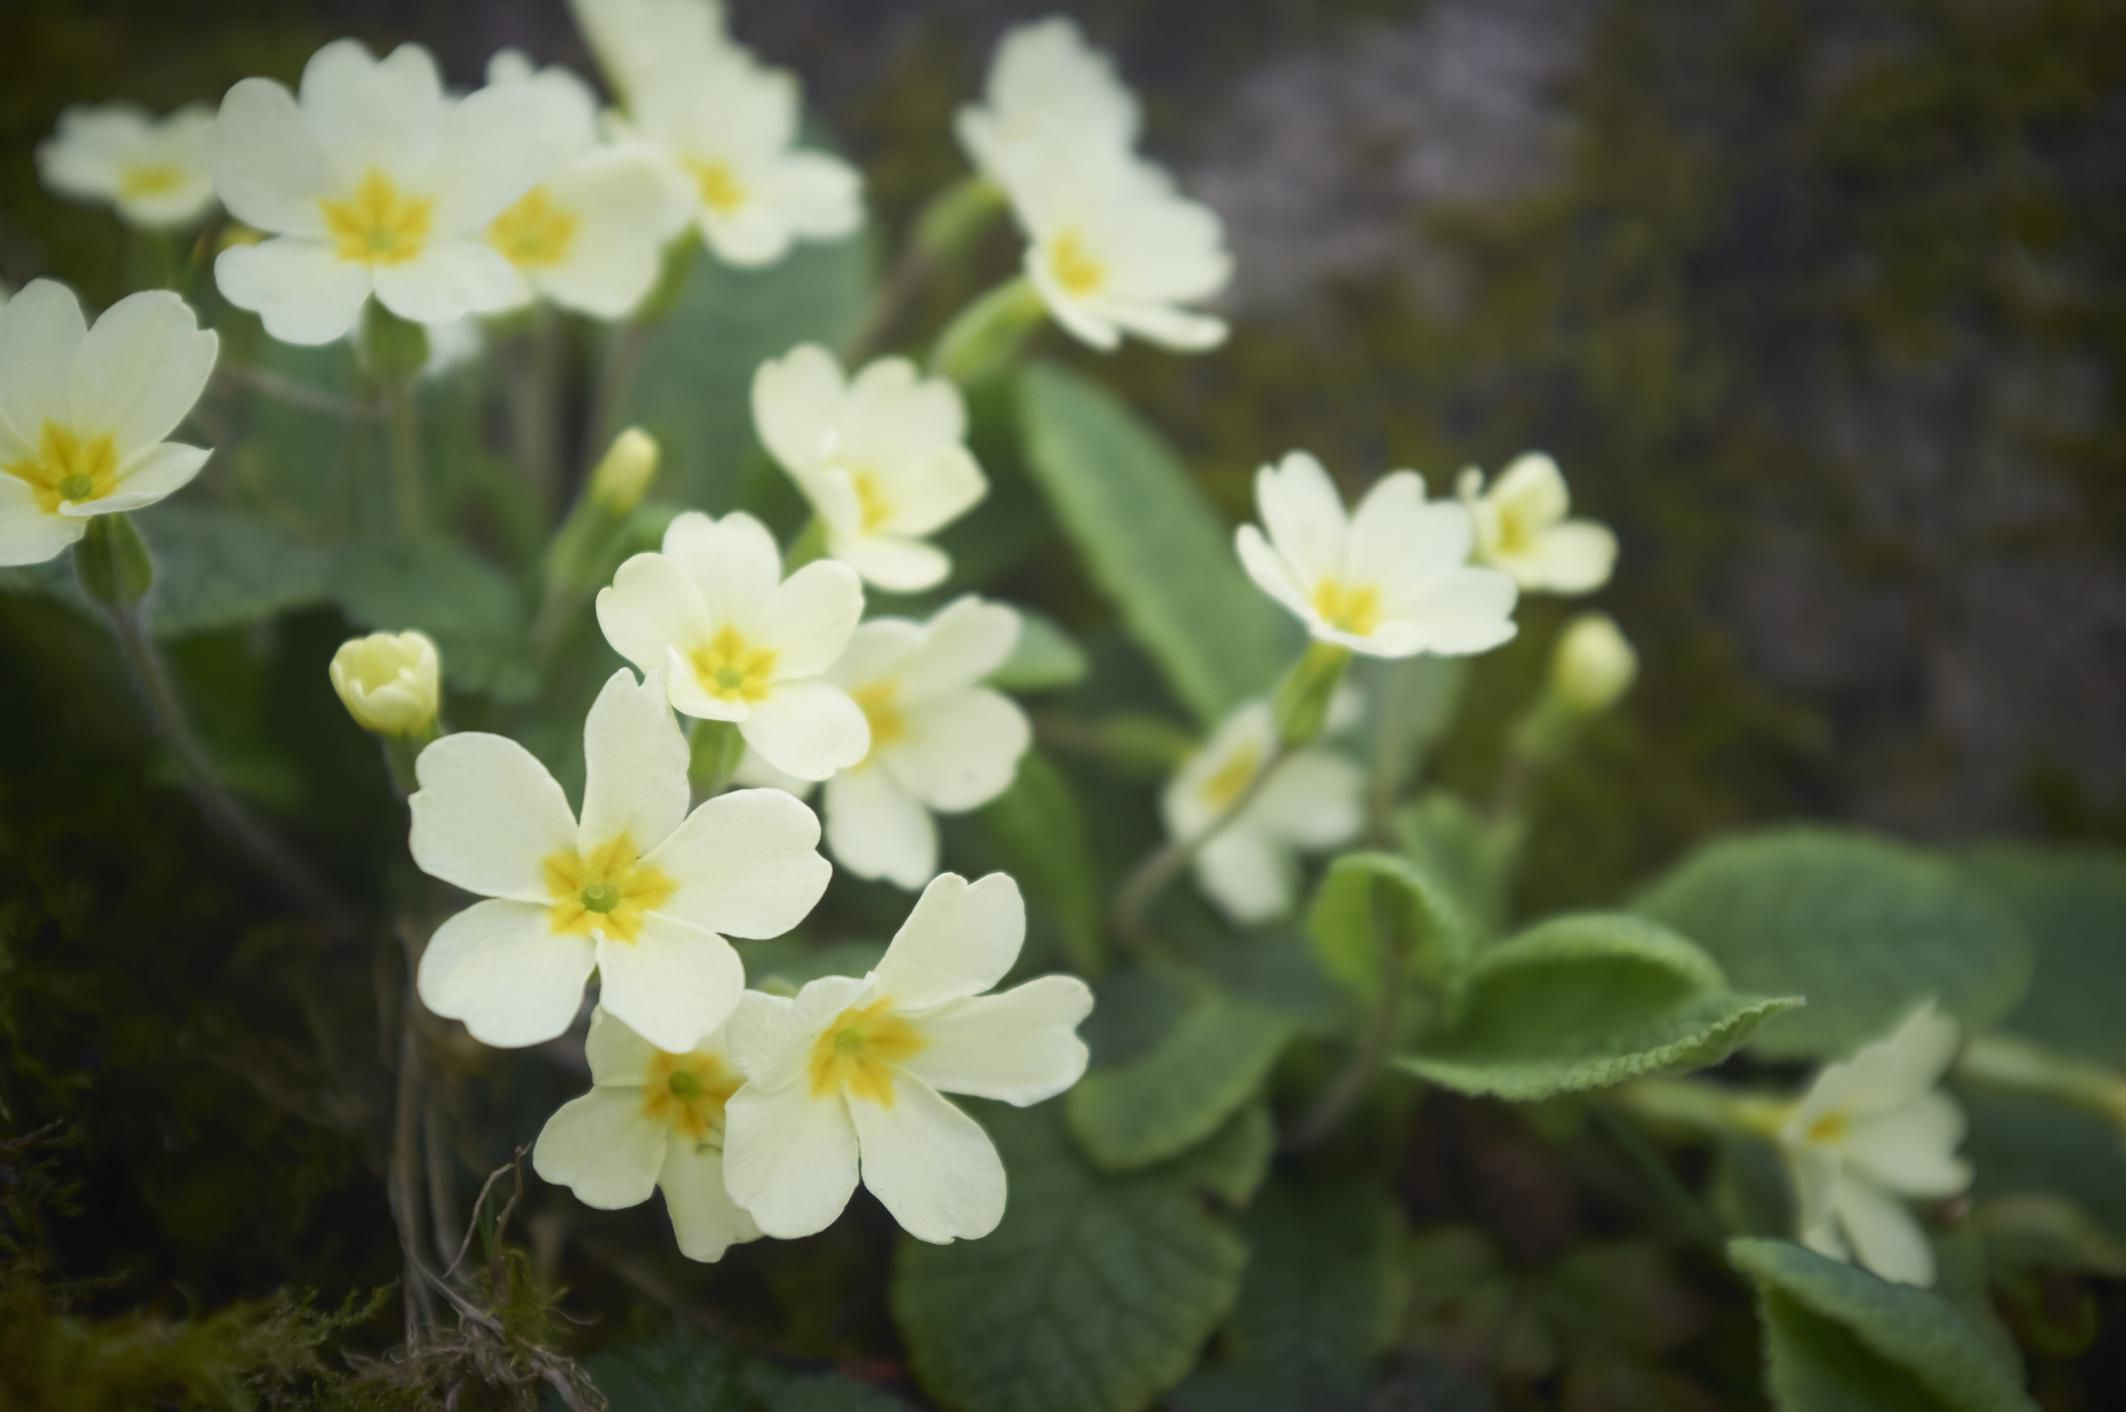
{"x": 1863, "y": 927}
{"x": 2072, "y": 905}
{"x": 1369, "y": 903}
{"x": 469, "y": 607}
{"x": 1464, "y": 854}
{"x": 1837, "y": 1339}
{"x": 1044, "y": 658}
{"x": 1231, "y": 1163}
{"x": 1095, "y": 1294}
{"x": 1038, "y": 828}
{"x": 693, "y": 381}
{"x": 1583, "y": 1002}
{"x": 2025, "y": 1145}
{"x": 1153, "y": 543}
{"x": 1212, "y": 1060}
{"x": 701, "y": 1375}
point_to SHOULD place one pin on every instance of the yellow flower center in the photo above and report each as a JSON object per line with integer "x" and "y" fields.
{"x": 871, "y": 499}
{"x": 1228, "y": 780}
{"x": 1351, "y": 608}
{"x": 720, "y": 187}
{"x": 535, "y": 231}
{"x": 150, "y": 179}
{"x": 731, "y": 669}
{"x": 687, "y": 1093}
{"x": 608, "y": 890}
{"x": 1516, "y": 533}
{"x": 1074, "y": 266}
{"x": 379, "y": 224}
{"x": 857, "y": 1053}
{"x": 1830, "y": 1127}
{"x": 68, "y": 467}
{"x": 876, "y": 700}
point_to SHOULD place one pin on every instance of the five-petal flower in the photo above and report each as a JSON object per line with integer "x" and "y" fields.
{"x": 1872, "y": 1132}
{"x": 638, "y": 888}
{"x": 653, "y": 1120}
{"x": 84, "y": 411}
{"x": 1521, "y": 527}
{"x": 882, "y": 458}
{"x": 1389, "y": 580}
{"x": 851, "y": 1073}
{"x": 735, "y": 641}
{"x": 372, "y": 181}
{"x": 1048, "y": 88}
{"x": 152, "y": 170}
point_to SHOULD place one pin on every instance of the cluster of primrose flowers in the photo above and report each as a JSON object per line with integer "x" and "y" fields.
{"x": 372, "y": 186}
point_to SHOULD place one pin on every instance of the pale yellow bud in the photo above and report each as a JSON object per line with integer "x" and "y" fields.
{"x": 624, "y": 476}
{"x": 1594, "y": 664}
{"x": 389, "y": 682}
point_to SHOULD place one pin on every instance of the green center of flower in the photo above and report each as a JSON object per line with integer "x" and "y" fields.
{"x": 77, "y": 487}
{"x": 859, "y": 1052}
{"x": 67, "y": 466}
{"x": 601, "y": 897}
{"x": 733, "y": 669}
{"x": 378, "y": 224}
{"x": 608, "y": 891}
{"x": 685, "y": 1085}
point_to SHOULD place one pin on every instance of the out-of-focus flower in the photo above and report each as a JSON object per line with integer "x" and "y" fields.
{"x": 653, "y": 1120}
{"x": 390, "y": 682}
{"x": 1390, "y": 579}
{"x": 1521, "y": 527}
{"x": 84, "y": 411}
{"x": 590, "y": 236}
{"x": 1871, "y": 1133}
{"x": 852, "y": 1073}
{"x": 941, "y": 743}
{"x": 636, "y": 41}
{"x": 373, "y": 182}
{"x": 1311, "y": 801}
{"x": 1048, "y": 90}
{"x": 639, "y": 889}
{"x": 882, "y": 457}
{"x": 623, "y": 475}
{"x": 153, "y": 170}
{"x": 735, "y": 641}
{"x": 729, "y": 133}
{"x": 1594, "y": 664}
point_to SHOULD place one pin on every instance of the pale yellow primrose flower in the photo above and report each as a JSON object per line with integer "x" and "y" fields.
{"x": 591, "y": 236}
{"x": 729, "y": 134}
{"x": 735, "y": 641}
{"x": 653, "y": 1121}
{"x": 389, "y": 682}
{"x": 1871, "y": 1133}
{"x": 1047, "y": 87}
{"x": 1594, "y": 664}
{"x": 637, "y": 889}
{"x": 636, "y": 41}
{"x": 882, "y": 458}
{"x": 1313, "y": 802}
{"x": 1390, "y": 579}
{"x": 84, "y": 411}
{"x": 850, "y": 1076}
{"x": 1521, "y": 527}
{"x": 624, "y": 473}
{"x": 374, "y": 181}
{"x": 152, "y": 170}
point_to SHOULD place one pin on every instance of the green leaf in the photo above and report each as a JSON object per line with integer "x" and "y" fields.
{"x": 1838, "y": 1338}
{"x": 1045, "y": 657}
{"x": 1863, "y": 927}
{"x": 1038, "y": 828}
{"x": 1369, "y": 902}
{"x": 1095, "y": 1294}
{"x": 692, "y": 388}
{"x": 701, "y": 1375}
{"x": 1231, "y": 1163}
{"x": 1213, "y": 1059}
{"x": 1153, "y": 544}
{"x": 468, "y": 606}
{"x": 1464, "y": 854}
{"x": 786, "y": 965}
{"x": 1583, "y": 1002}
{"x": 2072, "y": 905}
{"x": 2024, "y": 1145}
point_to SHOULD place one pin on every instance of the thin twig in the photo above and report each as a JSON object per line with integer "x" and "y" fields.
{"x": 1350, "y": 1085}
{"x": 297, "y": 394}
{"x": 1152, "y": 877}
{"x": 405, "y": 1142}
{"x": 472, "y": 1228}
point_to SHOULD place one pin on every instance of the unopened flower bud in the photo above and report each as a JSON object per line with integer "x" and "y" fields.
{"x": 389, "y": 682}
{"x": 1593, "y": 666}
{"x": 624, "y": 476}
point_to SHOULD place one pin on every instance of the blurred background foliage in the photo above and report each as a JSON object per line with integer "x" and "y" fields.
{"x": 1820, "y": 304}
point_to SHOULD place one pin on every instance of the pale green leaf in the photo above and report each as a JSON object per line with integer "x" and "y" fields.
{"x": 1039, "y": 830}
{"x": 1095, "y": 1294}
{"x": 1212, "y": 1060}
{"x": 1370, "y": 905}
{"x": 1584, "y": 1002}
{"x": 2072, "y": 905}
{"x": 2024, "y": 1145}
{"x": 469, "y": 607}
{"x": 1862, "y": 927}
{"x": 1838, "y": 1338}
{"x": 1231, "y": 1163}
{"x": 1460, "y": 851}
{"x": 1153, "y": 543}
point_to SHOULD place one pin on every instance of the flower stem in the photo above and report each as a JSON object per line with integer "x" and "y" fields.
{"x": 288, "y": 872}
{"x": 1157, "y": 872}
{"x": 1350, "y": 1084}
{"x": 2005, "y": 1062}
{"x": 404, "y": 420}
{"x": 1701, "y": 1107}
